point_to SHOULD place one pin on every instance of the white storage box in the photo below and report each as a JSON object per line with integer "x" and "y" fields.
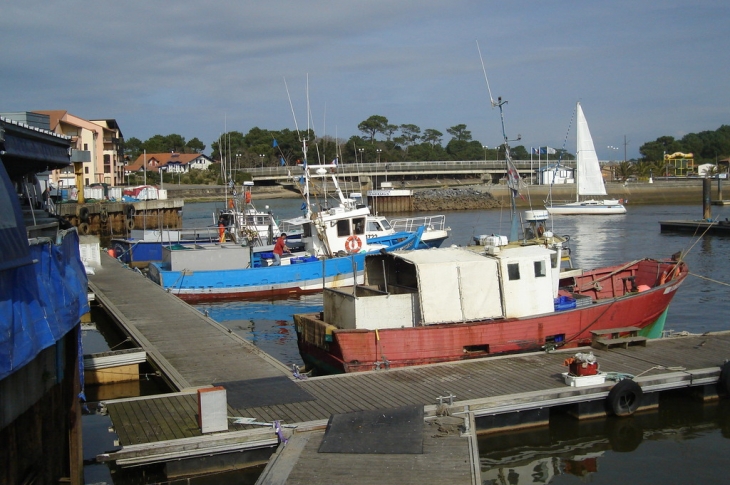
{"x": 580, "y": 381}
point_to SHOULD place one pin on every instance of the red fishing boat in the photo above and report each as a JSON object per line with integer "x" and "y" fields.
{"x": 440, "y": 305}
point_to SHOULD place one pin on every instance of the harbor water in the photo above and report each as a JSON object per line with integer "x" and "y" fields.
{"x": 685, "y": 443}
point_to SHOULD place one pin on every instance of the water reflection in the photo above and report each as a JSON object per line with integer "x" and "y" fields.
{"x": 593, "y": 449}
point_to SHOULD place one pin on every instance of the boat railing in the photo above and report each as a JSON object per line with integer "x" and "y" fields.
{"x": 410, "y": 224}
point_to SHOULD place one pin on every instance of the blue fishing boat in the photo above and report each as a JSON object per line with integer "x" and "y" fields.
{"x": 334, "y": 243}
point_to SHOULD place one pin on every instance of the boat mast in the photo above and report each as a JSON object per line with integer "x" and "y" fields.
{"x": 513, "y": 177}
{"x": 577, "y": 154}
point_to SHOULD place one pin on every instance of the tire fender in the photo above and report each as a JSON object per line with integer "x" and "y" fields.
{"x": 84, "y": 228}
{"x": 625, "y": 397}
{"x": 84, "y": 214}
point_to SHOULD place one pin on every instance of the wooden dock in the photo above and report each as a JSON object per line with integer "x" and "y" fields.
{"x": 697, "y": 227}
{"x": 190, "y": 349}
{"x": 488, "y": 394}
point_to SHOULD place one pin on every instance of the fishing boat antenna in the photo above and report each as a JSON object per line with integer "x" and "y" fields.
{"x": 491, "y": 99}
{"x": 514, "y": 182}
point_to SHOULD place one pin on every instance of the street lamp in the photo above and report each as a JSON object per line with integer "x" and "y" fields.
{"x": 361, "y": 150}
{"x": 485, "y": 152}
{"x": 261, "y": 157}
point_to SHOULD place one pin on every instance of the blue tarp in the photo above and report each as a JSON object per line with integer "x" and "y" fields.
{"x": 41, "y": 302}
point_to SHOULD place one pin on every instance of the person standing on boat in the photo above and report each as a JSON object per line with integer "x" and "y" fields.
{"x": 280, "y": 248}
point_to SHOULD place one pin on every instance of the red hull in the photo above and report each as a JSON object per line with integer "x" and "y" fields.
{"x": 362, "y": 350}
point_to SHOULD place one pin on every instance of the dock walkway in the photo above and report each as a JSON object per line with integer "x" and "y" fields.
{"x": 189, "y": 348}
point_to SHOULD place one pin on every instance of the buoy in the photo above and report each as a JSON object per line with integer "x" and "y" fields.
{"x": 111, "y": 252}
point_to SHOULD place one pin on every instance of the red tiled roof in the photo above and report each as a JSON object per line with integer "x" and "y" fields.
{"x": 156, "y": 160}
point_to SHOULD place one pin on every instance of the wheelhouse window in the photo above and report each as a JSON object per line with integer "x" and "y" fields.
{"x": 540, "y": 269}
{"x": 343, "y": 228}
{"x": 358, "y": 225}
{"x": 513, "y": 271}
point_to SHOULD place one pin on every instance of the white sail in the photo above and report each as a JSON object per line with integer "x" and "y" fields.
{"x": 590, "y": 180}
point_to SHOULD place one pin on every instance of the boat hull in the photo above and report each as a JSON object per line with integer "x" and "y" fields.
{"x": 587, "y": 208}
{"x": 331, "y": 349}
{"x": 305, "y": 277}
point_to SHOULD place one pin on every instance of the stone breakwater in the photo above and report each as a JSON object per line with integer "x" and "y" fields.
{"x": 450, "y": 199}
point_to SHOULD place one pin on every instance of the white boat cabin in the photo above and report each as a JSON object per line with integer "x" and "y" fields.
{"x": 449, "y": 285}
{"x": 339, "y": 230}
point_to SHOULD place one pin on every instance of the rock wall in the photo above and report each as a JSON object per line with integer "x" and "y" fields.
{"x": 453, "y": 199}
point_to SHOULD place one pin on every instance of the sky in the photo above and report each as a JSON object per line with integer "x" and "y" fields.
{"x": 640, "y": 69}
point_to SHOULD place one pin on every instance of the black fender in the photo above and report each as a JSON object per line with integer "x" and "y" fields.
{"x": 84, "y": 214}
{"x": 84, "y": 228}
{"x": 625, "y": 397}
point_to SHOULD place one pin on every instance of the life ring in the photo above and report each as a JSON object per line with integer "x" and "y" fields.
{"x": 724, "y": 382}
{"x": 353, "y": 244}
{"x": 103, "y": 215}
{"x": 625, "y": 397}
{"x": 84, "y": 214}
{"x": 231, "y": 204}
{"x": 84, "y": 228}
{"x": 130, "y": 224}
{"x": 540, "y": 231}
{"x": 248, "y": 197}
{"x": 129, "y": 211}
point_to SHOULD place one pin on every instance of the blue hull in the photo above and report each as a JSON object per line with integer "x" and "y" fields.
{"x": 302, "y": 277}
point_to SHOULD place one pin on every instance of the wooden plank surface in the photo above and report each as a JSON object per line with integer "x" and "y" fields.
{"x": 191, "y": 349}
{"x": 468, "y": 381}
{"x": 445, "y": 459}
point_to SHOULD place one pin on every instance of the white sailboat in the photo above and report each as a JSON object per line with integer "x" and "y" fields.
{"x": 589, "y": 179}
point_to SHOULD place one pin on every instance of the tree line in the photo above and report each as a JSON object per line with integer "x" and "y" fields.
{"x": 383, "y": 142}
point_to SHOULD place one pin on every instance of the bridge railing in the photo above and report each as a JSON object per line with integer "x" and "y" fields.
{"x": 295, "y": 171}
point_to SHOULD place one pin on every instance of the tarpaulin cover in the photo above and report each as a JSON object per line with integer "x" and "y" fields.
{"x": 13, "y": 239}
{"x": 41, "y": 302}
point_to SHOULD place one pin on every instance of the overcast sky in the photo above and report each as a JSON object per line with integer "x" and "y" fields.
{"x": 640, "y": 69}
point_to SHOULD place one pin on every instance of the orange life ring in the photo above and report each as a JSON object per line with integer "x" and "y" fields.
{"x": 230, "y": 204}
{"x": 663, "y": 278}
{"x": 248, "y": 197}
{"x": 353, "y": 244}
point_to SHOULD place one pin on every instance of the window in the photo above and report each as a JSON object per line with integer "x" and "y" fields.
{"x": 554, "y": 260}
{"x": 86, "y": 147}
{"x": 540, "y": 269}
{"x": 343, "y": 228}
{"x": 359, "y": 225}
{"x": 513, "y": 271}
{"x": 86, "y": 169}
{"x": 107, "y": 164}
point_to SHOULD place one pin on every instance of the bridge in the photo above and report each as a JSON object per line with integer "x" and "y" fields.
{"x": 492, "y": 170}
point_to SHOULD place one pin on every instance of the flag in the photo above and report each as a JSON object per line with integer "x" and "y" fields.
{"x": 550, "y": 151}
{"x": 535, "y": 151}
{"x": 282, "y": 162}
{"x": 334, "y": 162}
{"x": 514, "y": 181}
{"x": 275, "y": 144}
